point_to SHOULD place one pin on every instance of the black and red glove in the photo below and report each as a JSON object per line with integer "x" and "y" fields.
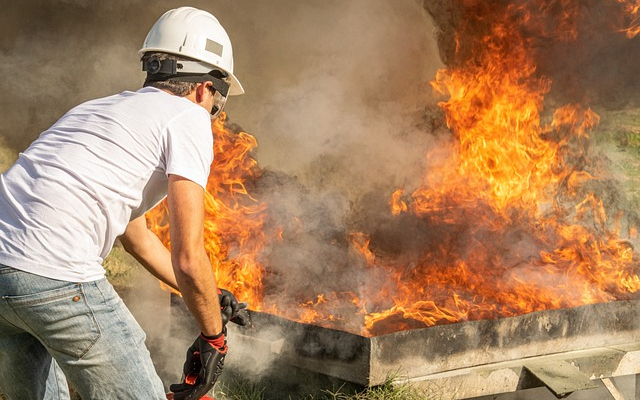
{"x": 205, "y": 360}
{"x": 231, "y": 309}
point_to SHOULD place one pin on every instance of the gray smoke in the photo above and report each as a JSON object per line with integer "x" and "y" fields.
{"x": 335, "y": 90}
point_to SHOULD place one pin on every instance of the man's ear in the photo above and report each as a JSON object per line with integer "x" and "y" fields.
{"x": 200, "y": 92}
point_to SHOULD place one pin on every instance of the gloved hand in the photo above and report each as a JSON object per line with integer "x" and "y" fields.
{"x": 205, "y": 359}
{"x": 231, "y": 310}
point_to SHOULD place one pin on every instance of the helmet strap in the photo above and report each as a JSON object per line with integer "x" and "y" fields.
{"x": 166, "y": 70}
{"x": 154, "y": 66}
{"x": 218, "y": 84}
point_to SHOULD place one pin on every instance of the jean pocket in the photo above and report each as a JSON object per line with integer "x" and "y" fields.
{"x": 60, "y": 318}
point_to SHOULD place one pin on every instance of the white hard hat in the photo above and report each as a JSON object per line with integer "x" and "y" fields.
{"x": 193, "y": 33}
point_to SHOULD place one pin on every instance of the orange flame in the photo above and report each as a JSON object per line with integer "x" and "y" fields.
{"x": 632, "y": 13}
{"x": 511, "y": 175}
{"x": 516, "y": 229}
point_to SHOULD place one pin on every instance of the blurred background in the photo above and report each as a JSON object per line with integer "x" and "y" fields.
{"x": 330, "y": 85}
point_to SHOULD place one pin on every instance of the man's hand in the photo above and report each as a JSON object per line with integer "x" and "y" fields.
{"x": 231, "y": 310}
{"x": 205, "y": 359}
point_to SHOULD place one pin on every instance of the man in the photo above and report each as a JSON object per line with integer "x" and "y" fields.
{"x": 88, "y": 180}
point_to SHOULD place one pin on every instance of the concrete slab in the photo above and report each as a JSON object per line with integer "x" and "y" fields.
{"x": 424, "y": 352}
{"x": 512, "y": 376}
{"x": 560, "y": 377}
{"x": 470, "y": 359}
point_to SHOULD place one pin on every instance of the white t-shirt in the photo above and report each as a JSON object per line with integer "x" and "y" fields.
{"x": 104, "y": 163}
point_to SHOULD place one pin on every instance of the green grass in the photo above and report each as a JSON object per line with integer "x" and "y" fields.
{"x": 618, "y": 136}
{"x": 120, "y": 267}
{"x": 386, "y": 391}
{"x": 239, "y": 390}
{"x": 390, "y": 390}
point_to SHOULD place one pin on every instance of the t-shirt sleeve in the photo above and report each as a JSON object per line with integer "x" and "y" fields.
{"x": 189, "y": 151}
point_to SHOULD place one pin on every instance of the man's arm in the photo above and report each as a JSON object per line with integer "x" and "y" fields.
{"x": 149, "y": 251}
{"x": 187, "y": 268}
{"x": 191, "y": 264}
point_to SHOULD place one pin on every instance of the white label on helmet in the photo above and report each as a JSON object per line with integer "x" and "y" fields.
{"x": 213, "y": 47}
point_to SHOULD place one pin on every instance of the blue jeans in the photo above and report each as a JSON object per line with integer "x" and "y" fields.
{"x": 51, "y": 331}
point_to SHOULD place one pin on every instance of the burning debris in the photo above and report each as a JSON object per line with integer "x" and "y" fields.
{"x": 519, "y": 215}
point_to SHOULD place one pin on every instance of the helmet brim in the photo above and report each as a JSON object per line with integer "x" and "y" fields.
{"x": 235, "y": 87}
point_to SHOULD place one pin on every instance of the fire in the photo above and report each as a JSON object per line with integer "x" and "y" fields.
{"x": 508, "y": 224}
{"x": 632, "y": 14}
{"x": 512, "y": 176}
